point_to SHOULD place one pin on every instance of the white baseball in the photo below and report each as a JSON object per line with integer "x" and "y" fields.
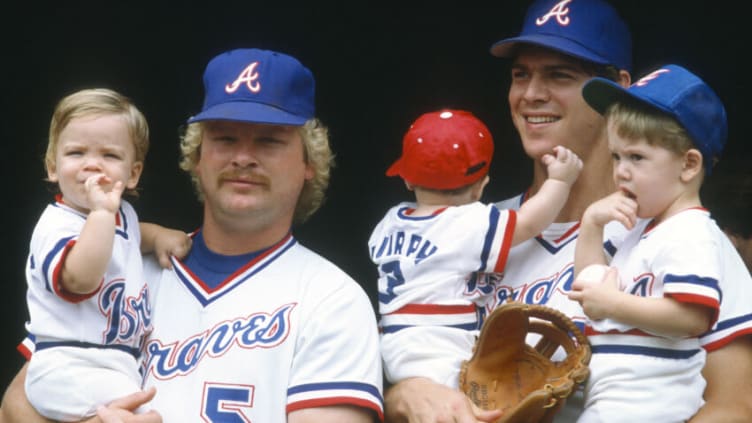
{"x": 593, "y": 273}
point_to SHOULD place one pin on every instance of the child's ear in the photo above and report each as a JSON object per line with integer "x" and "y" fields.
{"x": 479, "y": 187}
{"x": 135, "y": 175}
{"x": 409, "y": 186}
{"x": 51, "y": 172}
{"x": 692, "y": 165}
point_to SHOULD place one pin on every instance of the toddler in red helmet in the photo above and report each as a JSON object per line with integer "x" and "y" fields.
{"x": 439, "y": 256}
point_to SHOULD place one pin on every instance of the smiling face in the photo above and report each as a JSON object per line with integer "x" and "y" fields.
{"x": 251, "y": 171}
{"x": 545, "y": 99}
{"x": 90, "y": 145}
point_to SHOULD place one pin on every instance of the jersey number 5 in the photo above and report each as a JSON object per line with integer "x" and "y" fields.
{"x": 225, "y": 403}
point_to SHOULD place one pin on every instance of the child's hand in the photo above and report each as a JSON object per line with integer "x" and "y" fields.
{"x": 102, "y": 194}
{"x": 616, "y": 206}
{"x": 597, "y": 298}
{"x": 171, "y": 242}
{"x": 564, "y": 165}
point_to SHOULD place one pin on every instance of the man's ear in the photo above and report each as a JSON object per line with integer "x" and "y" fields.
{"x": 625, "y": 79}
{"x": 409, "y": 186}
{"x": 692, "y": 165}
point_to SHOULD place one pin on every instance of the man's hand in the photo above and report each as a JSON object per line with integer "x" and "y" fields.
{"x": 121, "y": 410}
{"x": 420, "y": 400}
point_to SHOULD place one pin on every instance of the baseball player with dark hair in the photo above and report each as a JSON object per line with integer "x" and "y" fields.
{"x": 252, "y": 326}
{"x": 562, "y": 45}
{"x": 665, "y": 133}
{"x": 434, "y": 256}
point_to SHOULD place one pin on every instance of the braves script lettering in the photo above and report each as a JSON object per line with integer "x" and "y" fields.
{"x": 249, "y": 77}
{"x": 537, "y": 292}
{"x": 560, "y": 11}
{"x": 126, "y": 317}
{"x": 259, "y": 330}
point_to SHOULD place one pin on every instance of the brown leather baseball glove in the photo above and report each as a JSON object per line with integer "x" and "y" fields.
{"x": 506, "y": 373}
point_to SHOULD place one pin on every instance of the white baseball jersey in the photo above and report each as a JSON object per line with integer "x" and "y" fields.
{"x": 541, "y": 271}
{"x": 87, "y": 336}
{"x": 679, "y": 258}
{"x": 250, "y": 340}
{"x": 433, "y": 271}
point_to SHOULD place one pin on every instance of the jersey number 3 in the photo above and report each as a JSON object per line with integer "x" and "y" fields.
{"x": 393, "y": 274}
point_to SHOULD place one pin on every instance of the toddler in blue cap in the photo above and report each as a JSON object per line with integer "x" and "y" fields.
{"x": 664, "y": 132}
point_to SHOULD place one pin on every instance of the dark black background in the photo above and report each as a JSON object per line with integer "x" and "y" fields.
{"x": 377, "y": 67}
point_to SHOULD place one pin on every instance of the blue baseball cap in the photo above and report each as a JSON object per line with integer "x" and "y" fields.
{"x": 257, "y": 86}
{"x": 678, "y": 92}
{"x": 586, "y": 29}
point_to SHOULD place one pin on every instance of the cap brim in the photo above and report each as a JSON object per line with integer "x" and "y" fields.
{"x": 506, "y": 48}
{"x": 600, "y": 93}
{"x": 250, "y": 112}
{"x": 395, "y": 169}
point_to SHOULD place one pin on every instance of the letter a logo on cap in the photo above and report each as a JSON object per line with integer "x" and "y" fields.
{"x": 649, "y": 77}
{"x": 249, "y": 76}
{"x": 560, "y": 11}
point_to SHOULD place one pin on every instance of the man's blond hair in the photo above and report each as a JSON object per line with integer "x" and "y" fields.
{"x": 317, "y": 154}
